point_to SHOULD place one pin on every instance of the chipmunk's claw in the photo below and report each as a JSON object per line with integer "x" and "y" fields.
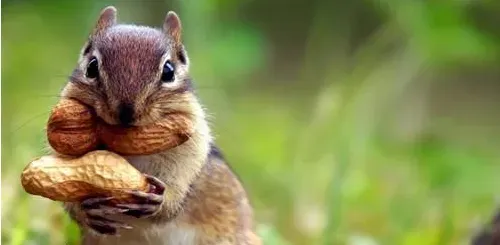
{"x": 105, "y": 211}
{"x": 140, "y": 210}
{"x": 146, "y": 197}
{"x": 96, "y": 209}
{"x": 145, "y": 203}
{"x": 104, "y": 226}
{"x": 157, "y": 184}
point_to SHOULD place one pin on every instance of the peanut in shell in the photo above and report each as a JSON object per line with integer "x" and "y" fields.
{"x": 165, "y": 134}
{"x": 72, "y": 128}
{"x": 97, "y": 173}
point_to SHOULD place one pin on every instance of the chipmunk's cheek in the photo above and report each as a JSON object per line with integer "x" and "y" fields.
{"x": 145, "y": 116}
{"x": 104, "y": 113}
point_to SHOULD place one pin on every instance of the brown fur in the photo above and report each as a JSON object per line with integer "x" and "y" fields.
{"x": 173, "y": 27}
{"x": 107, "y": 18}
{"x": 490, "y": 233}
{"x": 204, "y": 203}
{"x": 218, "y": 205}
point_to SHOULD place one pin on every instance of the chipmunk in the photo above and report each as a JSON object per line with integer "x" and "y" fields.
{"x": 133, "y": 75}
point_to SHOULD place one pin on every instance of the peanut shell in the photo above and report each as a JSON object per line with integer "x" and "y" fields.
{"x": 166, "y": 134}
{"x": 72, "y": 128}
{"x": 98, "y": 173}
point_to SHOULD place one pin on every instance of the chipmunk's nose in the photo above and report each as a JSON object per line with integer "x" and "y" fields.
{"x": 126, "y": 114}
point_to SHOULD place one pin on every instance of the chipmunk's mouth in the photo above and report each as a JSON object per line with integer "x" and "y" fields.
{"x": 128, "y": 118}
{"x": 129, "y": 115}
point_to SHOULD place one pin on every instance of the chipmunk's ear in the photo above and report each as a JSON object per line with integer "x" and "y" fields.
{"x": 172, "y": 26}
{"x": 107, "y": 18}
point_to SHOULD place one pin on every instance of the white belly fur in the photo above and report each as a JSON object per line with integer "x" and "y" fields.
{"x": 169, "y": 234}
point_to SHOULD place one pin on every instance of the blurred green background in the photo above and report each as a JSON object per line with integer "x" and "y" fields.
{"x": 350, "y": 122}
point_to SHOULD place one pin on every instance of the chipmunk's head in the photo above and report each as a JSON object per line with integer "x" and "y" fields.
{"x": 133, "y": 75}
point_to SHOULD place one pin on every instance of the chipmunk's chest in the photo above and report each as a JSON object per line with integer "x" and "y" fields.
{"x": 179, "y": 235}
{"x": 150, "y": 164}
{"x": 169, "y": 234}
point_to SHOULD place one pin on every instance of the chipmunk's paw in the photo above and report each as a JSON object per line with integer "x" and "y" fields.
{"x": 97, "y": 211}
{"x": 146, "y": 203}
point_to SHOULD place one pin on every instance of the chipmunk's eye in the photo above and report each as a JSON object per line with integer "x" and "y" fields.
{"x": 167, "y": 74}
{"x": 92, "y": 69}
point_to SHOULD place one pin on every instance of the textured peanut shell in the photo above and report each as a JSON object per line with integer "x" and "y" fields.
{"x": 98, "y": 173}
{"x": 71, "y": 129}
{"x": 145, "y": 140}
{"x": 74, "y": 129}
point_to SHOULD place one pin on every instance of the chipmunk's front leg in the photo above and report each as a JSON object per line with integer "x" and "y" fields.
{"x": 95, "y": 212}
{"x": 145, "y": 204}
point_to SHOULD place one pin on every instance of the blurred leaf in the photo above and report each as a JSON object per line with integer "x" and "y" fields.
{"x": 236, "y": 52}
{"x": 270, "y": 236}
{"x": 441, "y": 32}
